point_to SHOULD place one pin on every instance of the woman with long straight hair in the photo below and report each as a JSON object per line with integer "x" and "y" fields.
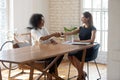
{"x": 87, "y": 33}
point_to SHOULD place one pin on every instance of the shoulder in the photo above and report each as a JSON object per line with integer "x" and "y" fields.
{"x": 34, "y": 31}
{"x": 44, "y": 28}
{"x": 93, "y": 28}
{"x": 80, "y": 27}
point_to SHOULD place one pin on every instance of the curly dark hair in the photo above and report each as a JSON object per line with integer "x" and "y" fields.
{"x": 35, "y": 20}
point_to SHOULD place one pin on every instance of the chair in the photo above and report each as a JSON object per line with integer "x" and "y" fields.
{"x": 5, "y": 64}
{"x": 92, "y": 57}
{"x": 21, "y": 40}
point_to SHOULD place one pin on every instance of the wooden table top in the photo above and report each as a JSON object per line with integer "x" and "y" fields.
{"x": 37, "y": 52}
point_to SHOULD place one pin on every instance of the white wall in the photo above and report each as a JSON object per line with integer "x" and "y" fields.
{"x": 114, "y": 40}
{"x": 23, "y": 9}
{"x": 64, "y": 13}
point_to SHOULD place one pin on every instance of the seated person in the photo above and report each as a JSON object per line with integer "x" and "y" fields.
{"x": 40, "y": 34}
{"x": 87, "y": 33}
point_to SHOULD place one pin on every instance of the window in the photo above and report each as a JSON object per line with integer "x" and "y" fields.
{"x": 3, "y": 21}
{"x": 99, "y": 10}
{"x": 5, "y": 28}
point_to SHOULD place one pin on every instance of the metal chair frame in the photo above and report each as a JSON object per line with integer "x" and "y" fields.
{"x": 3, "y": 63}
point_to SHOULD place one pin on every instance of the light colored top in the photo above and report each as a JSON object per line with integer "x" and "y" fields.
{"x": 37, "y": 34}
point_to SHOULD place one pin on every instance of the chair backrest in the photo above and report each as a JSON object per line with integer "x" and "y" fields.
{"x": 6, "y": 45}
{"x": 92, "y": 53}
{"x": 22, "y": 40}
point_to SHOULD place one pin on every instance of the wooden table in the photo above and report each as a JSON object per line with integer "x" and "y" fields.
{"x": 27, "y": 55}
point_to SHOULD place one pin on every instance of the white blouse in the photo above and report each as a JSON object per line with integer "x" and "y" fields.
{"x": 37, "y": 34}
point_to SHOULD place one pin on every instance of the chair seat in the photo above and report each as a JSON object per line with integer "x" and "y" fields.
{"x": 88, "y": 59}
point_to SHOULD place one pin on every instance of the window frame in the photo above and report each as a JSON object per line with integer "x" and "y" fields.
{"x": 103, "y": 48}
{"x": 8, "y": 30}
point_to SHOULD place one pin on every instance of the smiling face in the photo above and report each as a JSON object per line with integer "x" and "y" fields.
{"x": 41, "y": 23}
{"x": 84, "y": 19}
{"x": 87, "y": 19}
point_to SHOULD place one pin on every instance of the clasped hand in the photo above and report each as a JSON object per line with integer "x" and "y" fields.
{"x": 57, "y": 34}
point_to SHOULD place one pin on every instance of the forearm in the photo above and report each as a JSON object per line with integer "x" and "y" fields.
{"x": 46, "y": 37}
{"x": 67, "y": 33}
{"x": 71, "y": 33}
{"x": 90, "y": 41}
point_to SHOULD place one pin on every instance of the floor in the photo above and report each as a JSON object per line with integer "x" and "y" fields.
{"x": 63, "y": 72}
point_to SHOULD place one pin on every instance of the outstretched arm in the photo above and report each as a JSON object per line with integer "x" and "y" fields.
{"x": 71, "y": 33}
{"x": 49, "y": 36}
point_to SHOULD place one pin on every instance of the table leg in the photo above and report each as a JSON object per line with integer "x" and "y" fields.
{"x": 31, "y": 73}
{"x": 10, "y": 66}
{"x": 44, "y": 71}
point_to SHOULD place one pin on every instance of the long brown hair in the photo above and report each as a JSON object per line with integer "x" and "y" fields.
{"x": 88, "y": 15}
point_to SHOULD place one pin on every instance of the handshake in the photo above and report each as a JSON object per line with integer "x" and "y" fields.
{"x": 58, "y": 34}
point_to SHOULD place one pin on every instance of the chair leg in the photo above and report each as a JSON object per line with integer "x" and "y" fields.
{"x": 88, "y": 70}
{"x": 56, "y": 70}
{"x": 45, "y": 75}
{"x": 69, "y": 71}
{"x": 97, "y": 70}
{"x": 10, "y": 67}
{"x": 31, "y": 73}
{"x": 70, "y": 78}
